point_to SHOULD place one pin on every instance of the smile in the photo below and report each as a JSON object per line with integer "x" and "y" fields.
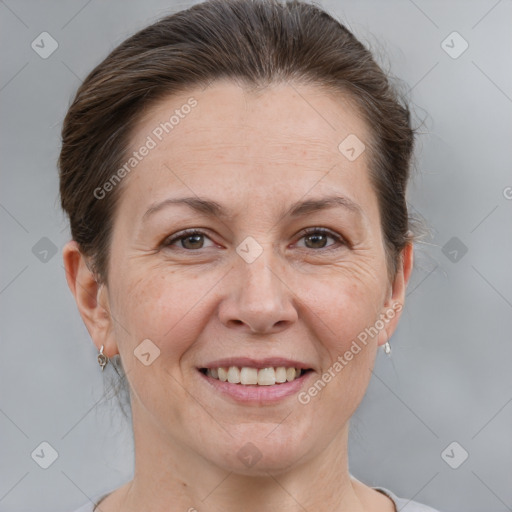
{"x": 249, "y": 376}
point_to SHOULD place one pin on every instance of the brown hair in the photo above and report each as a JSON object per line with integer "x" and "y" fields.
{"x": 256, "y": 42}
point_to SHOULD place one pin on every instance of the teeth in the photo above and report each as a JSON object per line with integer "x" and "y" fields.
{"x": 281, "y": 374}
{"x": 266, "y": 377}
{"x": 254, "y": 376}
{"x": 233, "y": 375}
{"x": 248, "y": 375}
{"x": 223, "y": 374}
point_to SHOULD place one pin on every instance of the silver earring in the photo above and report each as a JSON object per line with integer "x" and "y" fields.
{"x": 387, "y": 348}
{"x": 102, "y": 359}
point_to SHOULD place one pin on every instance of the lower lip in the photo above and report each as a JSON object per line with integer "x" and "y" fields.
{"x": 254, "y": 393}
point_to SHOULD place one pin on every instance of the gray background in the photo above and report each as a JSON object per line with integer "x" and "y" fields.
{"x": 449, "y": 376}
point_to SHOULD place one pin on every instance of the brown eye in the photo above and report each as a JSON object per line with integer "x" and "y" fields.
{"x": 188, "y": 240}
{"x": 192, "y": 241}
{"x": 318, "y": 241}
{"x": 316, "y": 238}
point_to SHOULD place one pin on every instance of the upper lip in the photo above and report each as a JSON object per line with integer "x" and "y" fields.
{"x": 256, "y": 363}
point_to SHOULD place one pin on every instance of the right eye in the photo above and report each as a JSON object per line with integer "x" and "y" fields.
{"x": 190, "y": 239}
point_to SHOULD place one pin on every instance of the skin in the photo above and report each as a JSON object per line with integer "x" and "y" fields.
{"x": 197, "y": 300}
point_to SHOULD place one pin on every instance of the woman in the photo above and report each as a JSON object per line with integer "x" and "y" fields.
{"x": 235, "y": 179}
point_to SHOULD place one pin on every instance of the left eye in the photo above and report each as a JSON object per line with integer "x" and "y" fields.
{"x": 318, "y": 237}
{"x": 194, "y": 239}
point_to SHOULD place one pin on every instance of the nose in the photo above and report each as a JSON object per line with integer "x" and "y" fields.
{"x": 259, "y": 299}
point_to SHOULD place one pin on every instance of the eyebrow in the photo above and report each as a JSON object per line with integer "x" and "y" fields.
{"x": 297, "y": 209}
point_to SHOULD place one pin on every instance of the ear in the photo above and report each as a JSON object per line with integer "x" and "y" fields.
{"x": 394, "y": 304}
{"x": 91, "y": 298}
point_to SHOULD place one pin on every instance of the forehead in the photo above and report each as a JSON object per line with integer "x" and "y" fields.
{"x": 279, "y": 141}
{"x": 298, "y": 115}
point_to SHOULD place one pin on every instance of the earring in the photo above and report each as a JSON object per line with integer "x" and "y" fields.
{"x": 387, "y": 348}
{"x": 102, "y": 359}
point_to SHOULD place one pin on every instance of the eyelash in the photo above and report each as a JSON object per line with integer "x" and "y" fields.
{"x": 306, "y": 232}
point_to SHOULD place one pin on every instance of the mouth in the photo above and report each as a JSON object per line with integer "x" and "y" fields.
{"x": 255, "y": 382}
{"x": 251, "y": 376}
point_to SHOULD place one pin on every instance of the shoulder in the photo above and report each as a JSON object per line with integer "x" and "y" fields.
{"x": 401, "y": 504}
{"x": 404, "y": 504}
{"x": 90, "y": 505}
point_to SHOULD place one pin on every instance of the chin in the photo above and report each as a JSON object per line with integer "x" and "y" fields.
{"x": 259, "y": 455}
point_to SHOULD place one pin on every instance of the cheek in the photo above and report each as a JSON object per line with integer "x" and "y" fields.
{"x": 344, "y": 306}
{"x": 165, "y": 309}
{"x": 344, "y": 311}
{"x": 342, "y": 319}
{"x": 162, "y": 307}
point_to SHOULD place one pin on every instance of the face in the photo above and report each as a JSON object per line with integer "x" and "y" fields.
{"x": 283, "y": 266}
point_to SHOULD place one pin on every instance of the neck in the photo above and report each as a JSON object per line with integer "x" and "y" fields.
{"x": 168, "y": 473}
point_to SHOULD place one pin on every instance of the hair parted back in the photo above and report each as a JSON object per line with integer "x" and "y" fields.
{"x": 256, "y": 43}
